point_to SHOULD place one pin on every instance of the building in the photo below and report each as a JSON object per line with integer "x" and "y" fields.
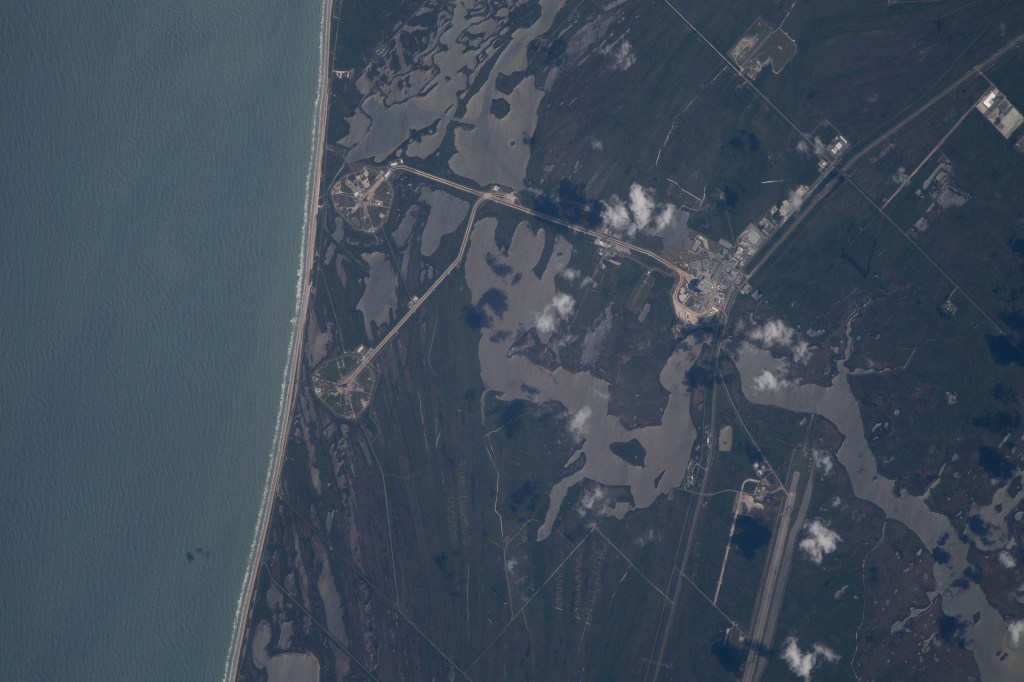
{"x": 1000, "y": 112}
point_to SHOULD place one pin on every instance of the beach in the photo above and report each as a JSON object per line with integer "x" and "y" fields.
{"x": 158, "y": 175}
{"x": 296, "y": 347}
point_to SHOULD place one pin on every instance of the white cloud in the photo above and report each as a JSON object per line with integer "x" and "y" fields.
{"x": 772, "y": 333}
{"x": 801, "y": 351}
{"x": 578, "y": 423}
{"x": 666, "y": 216}
{"x": 796, "y": 201}
{"x": 817, "y": 149}
{"x": 1007, "y": 560}
{"x": 616, "y": 215}
{"x": 1016, "y": 632}
{"x": 546, "y": 322}
{"x": 640, "y": 212}
{"x": 803, "y": 663}
{"x": 593, "y": 501}
{"x": 570, "y": 274}
{"x": 563, "y": 304}
{"x": 823, "y": 460}
{"x": 777, "y": 334}
{"x": 641, "y": 204}
{"x": 820, "y": 540}
{"x": 621, "y": 54}
{"x": 561, "y": 307}
{"x": 767, "y": 381}
{"x": 597, "y": 145}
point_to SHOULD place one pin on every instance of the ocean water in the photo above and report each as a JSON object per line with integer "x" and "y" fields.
{"x": 154, "y": 170}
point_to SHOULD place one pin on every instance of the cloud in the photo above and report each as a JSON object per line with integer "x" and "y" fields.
{"x": 570, "y": 274}
{"x": 1007, "y": 560}
{"x": 767, "y": 381}
{"x": 777, "y": 334}
{"x": 802, "y": 663}
{"x": 796, "y": 201}
{"x": 621, "y": 53}
{"x": 639, "y": 212}
{"x": 773, "y": 333}
{"x": 666, "y": 216}
{"x": 816, "y": 148}
{"x": 801, "y": 351}
{"x": 823, "y": 460}
{"x": 1016, "y": 632}
{"x": 561, "y": 307}
{"x": 645, "y": 538}
{"x": 820, "y": 540}
{"x": 578, "y": 423}
{"x": 595, "y": 501}
{"x": 641, "y": 204}
{"x": 597, "y": 145}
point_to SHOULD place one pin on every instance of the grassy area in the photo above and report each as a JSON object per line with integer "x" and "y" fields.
{"x": 405, "y": 541}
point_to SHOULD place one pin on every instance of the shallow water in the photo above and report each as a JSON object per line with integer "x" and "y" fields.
{"x": 838, "y": 404}
{"x": 583, "y": 395}
{"x": 153, "y": 191}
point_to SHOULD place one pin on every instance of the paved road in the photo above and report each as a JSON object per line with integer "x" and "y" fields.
{"x": 971, "y": 73}
{"x": 295, "y": 362}
{"x": 497, "y": 197}
{"x": 383, "y": 344}
{"x": 709, "y": 415}
{"x": 812, "y": 199}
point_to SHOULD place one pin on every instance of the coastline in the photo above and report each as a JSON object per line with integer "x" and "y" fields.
{"x": 304, "y": 285}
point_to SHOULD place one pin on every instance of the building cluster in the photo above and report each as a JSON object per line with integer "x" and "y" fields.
{"x": 754, "y": 235}
{"x": 717, "y": 268}
{"x": 941, "y": 189}
{"x": 833, "y": 150}
{"x": 760, "y": 46}
{"x": 1000, "y": 112}
{"x": 714, "y": 276}
{"x": 362, "y": 198}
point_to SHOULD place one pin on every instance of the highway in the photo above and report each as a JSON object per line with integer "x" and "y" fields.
{"x": 708, "y": 426}
{"x": 294, "y": 362}
{"x": 773, "y": 587}
{"x": 497, "y": 197}
{"x": 971, "y": 73}
{"x": 845, "y": 168}
{"x": 811, "y": 200}
{"x": 370, "y": 356}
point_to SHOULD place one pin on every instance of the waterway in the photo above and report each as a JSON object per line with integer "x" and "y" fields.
{"x": 987, "y": 630}
{"x": 585, "y": 397}
{"x": 155, "y": 172}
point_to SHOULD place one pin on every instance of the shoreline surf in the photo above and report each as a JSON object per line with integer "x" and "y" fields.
{"x": 295, "y": 345}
